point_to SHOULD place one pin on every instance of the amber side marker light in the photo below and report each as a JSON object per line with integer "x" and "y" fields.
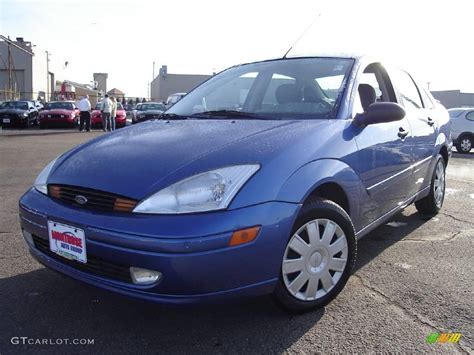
{"x": 243, "y": 236}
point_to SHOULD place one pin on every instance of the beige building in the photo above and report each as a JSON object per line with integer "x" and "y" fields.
{"x": 25, "y": 72}
{"x": 166, "y": 84}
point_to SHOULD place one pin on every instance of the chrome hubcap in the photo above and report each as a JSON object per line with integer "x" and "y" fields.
{"x": 439, "y": 184}
{"x": 314, "y": 260}
{"x": 466, "y": 145}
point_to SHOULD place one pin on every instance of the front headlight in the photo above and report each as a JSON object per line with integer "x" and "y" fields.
{"x": 25, "y": 114}
{"x": 40, "y": 182}
{"x": 209, "y": 191}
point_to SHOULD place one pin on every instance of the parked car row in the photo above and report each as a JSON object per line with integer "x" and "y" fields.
{"x": 26, "y": 113}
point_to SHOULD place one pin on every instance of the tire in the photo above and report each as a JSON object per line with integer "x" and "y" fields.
{"x": 315, "y": 260}
{"x": 464, "y": 144}
{"x": 431, "y": 204}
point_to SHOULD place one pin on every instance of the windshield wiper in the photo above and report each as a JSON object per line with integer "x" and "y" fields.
{"x": 225, "y": 114}
{"x": 173, "y": 116}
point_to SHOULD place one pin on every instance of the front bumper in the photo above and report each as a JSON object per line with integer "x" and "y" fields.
{"x": 191, "y": 251}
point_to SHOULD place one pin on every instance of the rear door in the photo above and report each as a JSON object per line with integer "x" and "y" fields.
{"x": 385, "y": 156}
{"x": 421, "y": 117}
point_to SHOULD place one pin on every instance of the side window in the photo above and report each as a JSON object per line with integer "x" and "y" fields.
{"x": 375, "y": 76}
{"x": 470, "y": 116}
{"x": 407, "y": 89}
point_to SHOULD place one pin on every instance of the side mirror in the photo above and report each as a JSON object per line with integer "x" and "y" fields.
{"x": 380, "y": 112}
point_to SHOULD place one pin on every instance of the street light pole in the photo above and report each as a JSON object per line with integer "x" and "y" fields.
{"x": 47, "y": 76}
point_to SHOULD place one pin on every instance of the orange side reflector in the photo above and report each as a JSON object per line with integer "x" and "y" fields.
{"x": 244, "y": 236}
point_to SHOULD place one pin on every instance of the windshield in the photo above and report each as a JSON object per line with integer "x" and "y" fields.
{"x": 19, "y": 105}
{"x": 149, "y": 107}
{"x": 60, "y": 106}
{"x": 301, "y": 88}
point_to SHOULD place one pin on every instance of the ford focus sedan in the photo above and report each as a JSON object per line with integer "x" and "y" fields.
{"x": 259, "y": 181}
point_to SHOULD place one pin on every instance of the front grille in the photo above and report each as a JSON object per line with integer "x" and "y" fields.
{"x": 149, "y": 117}
{"x": 56, "y": 116}
{"x": 94, "y": 265}
{"x": 91, "y": 199}
{"x": 9, "y": 116}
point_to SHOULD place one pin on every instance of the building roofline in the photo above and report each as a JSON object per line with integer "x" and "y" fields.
{"x": 16, "y": 45}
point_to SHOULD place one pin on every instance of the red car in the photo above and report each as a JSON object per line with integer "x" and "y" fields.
{"x": 120, "y": 119}
{"x": 59, "y": 113}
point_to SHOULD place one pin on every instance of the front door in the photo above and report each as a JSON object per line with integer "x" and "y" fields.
{"x": 384, "y": 155}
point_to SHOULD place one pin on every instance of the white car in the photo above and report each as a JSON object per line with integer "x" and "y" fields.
{"x": 174, "y": 98}
{"x": 462, "y": 128}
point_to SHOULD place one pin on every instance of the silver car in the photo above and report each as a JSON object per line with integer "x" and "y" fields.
{"x": 462, "y": 128}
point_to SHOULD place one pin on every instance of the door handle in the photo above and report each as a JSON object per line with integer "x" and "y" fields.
{"x": 430, "y": 121}
{"x": 402, "y": 133}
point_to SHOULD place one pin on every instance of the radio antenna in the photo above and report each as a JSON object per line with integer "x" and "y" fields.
{"x": 301, "y": 36}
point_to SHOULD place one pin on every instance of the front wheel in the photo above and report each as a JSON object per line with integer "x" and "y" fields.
{"x": 318, "y": 258}
{"x": 432, "y": 203}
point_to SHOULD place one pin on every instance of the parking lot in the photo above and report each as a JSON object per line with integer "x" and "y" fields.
{"x": 413, "y": 277}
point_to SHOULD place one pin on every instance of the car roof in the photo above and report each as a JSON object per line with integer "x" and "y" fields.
{"x": 461, "y": 109}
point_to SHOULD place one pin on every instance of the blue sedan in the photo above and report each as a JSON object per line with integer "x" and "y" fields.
{"x": 259, "y": 181}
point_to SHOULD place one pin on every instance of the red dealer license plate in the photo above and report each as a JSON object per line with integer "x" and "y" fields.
{"x": 67, "y": 241}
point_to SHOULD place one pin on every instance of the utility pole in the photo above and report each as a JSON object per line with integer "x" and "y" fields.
{"x": 47, "y": 76}
{"x": 153, "y": 78}
{"x": 10, "y": 76}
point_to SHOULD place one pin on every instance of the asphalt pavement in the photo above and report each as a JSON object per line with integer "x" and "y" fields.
{"x": 414, "y": 276}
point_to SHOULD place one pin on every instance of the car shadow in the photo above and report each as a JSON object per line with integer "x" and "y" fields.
{"x": 45, "y": 304}
{"x": 396, "y": 229}
{"x": 40, "y": 133}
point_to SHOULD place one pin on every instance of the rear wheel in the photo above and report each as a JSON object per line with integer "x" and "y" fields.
{"x": 432, "y": 203}
{"x": 318, "y": 258}
{"x": 465, "y": 144}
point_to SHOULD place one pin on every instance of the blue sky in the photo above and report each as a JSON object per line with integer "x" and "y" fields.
{"x": 123, "y": 38}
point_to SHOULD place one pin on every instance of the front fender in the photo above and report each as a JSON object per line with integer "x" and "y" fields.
{"x": 314, "y": 174}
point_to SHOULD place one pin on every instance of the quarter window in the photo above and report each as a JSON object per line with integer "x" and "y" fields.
{"x": 427, "y": 103}
{"x": 470, "y": 116}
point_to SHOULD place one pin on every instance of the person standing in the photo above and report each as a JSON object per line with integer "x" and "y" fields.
{"x": 113, "y": 113}
{"x": 85, "y": 116}
{"x": 106, "y": 109}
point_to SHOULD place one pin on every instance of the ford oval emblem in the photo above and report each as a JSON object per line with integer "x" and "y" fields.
{"x": 82, "y": 200}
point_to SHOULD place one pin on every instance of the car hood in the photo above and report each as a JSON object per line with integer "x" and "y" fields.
{"x": 142, "y": 159}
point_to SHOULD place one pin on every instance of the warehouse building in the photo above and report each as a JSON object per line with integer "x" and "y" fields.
{"x": 166, "y": 84}
{"x": 454, "y": 98}
{"x": 23, "y": 75}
